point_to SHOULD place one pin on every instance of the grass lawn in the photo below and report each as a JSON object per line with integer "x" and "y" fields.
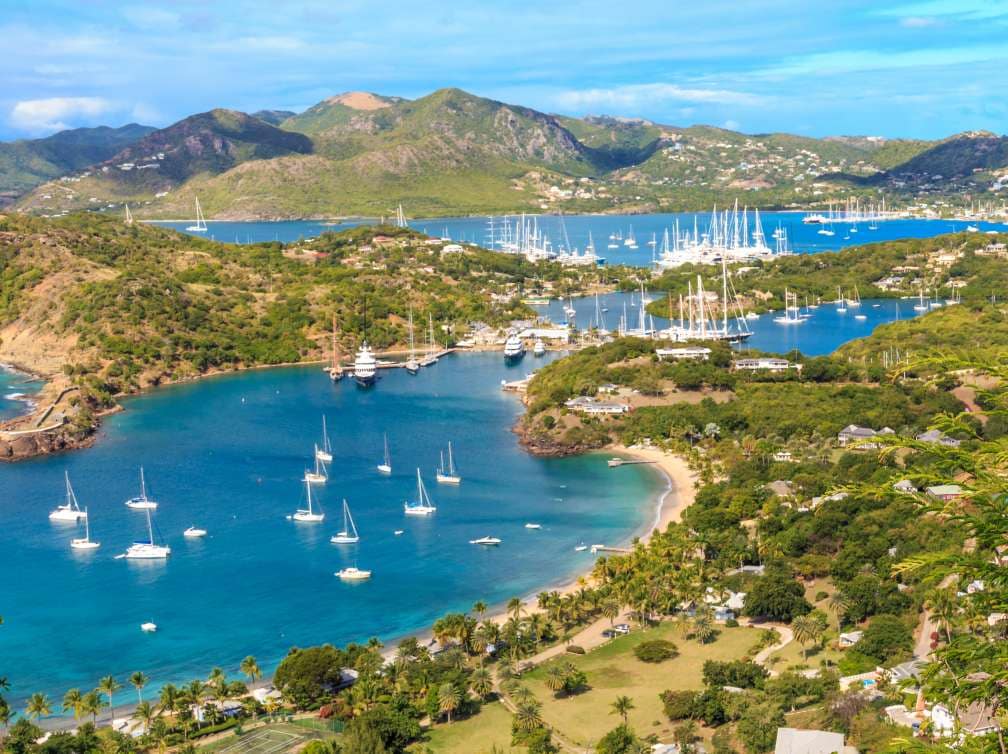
{"x": 791, "y": 655}
{"x": 614, "y": 671}
{"x": 475, "y": 735}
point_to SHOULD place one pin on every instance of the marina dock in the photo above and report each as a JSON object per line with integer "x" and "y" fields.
{"x": 616, "y": 462}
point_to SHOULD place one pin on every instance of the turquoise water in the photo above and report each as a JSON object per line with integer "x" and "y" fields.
{"x": 15, "y": 391}
{"x": 227, "y": 454}
{"x": 803, "y": 238}
{"x": 823, "y": 332}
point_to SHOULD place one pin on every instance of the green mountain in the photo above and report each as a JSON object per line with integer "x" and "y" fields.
{"x": 26, "y": 163}
{"x": 451, "y": 152}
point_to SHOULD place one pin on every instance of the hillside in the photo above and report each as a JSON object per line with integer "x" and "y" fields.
{"x": 27, "y": 163}
{"x": 451, "y": 152}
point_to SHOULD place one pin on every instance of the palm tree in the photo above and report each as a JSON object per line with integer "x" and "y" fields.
{"x": 139, "y": 680}
{"x": 610, "y": 610}
{"x": 159, "y": 732}
{"x": 480, "y": 609}
{"x": 838, "y": 603}
{"x": 527, "y": 716}
{"x": 515, "y": 607}
{"x": 704, "y": 628}
{"x": 73, "y": 701}
{"x": 108, "y": 686}
{"x": 481, "y": 682}
{"x": 145, "y": 713}
{"x": 169, "y": 698}
{"x": 556, "y": 678}
{"x": 523, "y": 695}
{"x": 38, "y": 706}
{"x": 92, "y": 705}
{"x": 250, "y": 667}
{"x": 943, "y": 607}
{"x": 807, "y": 630}
{"x": 449, "y": 699}
{"x": 622, "y": 707}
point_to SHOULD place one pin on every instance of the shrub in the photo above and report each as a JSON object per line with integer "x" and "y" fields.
{"x": 886, "y": 638}
{"x": 731, "y": 623}
{"x": 656, "y": 650}
{"x": 679, "y": 705}
{"x": 574, "y": 649}
{"x": 745, "y": 675}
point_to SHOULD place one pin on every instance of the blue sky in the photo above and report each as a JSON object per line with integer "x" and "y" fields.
{"x": 916, "y": 68}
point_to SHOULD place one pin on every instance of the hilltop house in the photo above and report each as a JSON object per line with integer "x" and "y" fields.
{"x": 850, "y": 638}
{"x": 795, "y": 741}
{"x": 765, "y": 363}
{"x": 695, "y": 353}
{"x": 944, "y": 492}
{"x": 937, "y": 437}
{"x": 594, "y": 407}
{"x": 905, "y": 485}
{"x": 853, "y": 433}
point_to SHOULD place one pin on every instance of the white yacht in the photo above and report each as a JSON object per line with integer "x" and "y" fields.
{"x": 448, "y": 474}
{"x": 194, "y": 532}
{"x": 365, "y": 366}
{"x": 149, "y": 627}
{"x": 324, "y": 452}
{"x": 148, "y": 550}
{"x": 200, "y": 226}
{"x": 539, "y": 349}
{"x": 485, "y": 541}
{"x": 348, "y": 536}
{"x": 385, "y": 467}
{"x": 141, "y": 502}
{"x": 319, "y": 476}
{"x": 309, "y": 515}
{"x": 514, "y": 348}
{"x": 353, "y": 573}
{"x": 533, "y": 526}
{"x": 85, "y": 543}
{"x": 422, "y": 506}
{"x": 70, "y": 511}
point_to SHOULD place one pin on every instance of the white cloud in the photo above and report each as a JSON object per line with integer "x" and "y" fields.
{"x": 918, "y": 22}
{"x": 151, "y": 18}
{"x": 731, "y": 125}
{"x": 55, "y": 113}
{"x": 638, "y": 95}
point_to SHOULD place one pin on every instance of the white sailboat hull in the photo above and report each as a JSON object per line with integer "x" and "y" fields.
{"x": 323, "y": 456}
{"x": 306, "y": 517}
{"x": 84, "y": 544}
{"x": 312, "y": 478}
{"x": 146, "y": 551}
{"x": 448, "y": 479}
{"x": 67, "y": 515}
{"x": 141, "y": 505}
{"x": 418, "y": 510}
{"x": 353, "y": 574}
{"x": 344, "y": 539}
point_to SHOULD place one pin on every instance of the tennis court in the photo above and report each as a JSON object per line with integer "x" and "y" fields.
{"x": 270, "y": 740}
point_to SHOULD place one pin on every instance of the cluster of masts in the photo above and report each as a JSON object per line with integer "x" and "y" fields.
{"x": 523, "y": 236}
{"x": 853, "y": 212}
{"x": 148, "y": 549}
{"x": 729, "y": 235}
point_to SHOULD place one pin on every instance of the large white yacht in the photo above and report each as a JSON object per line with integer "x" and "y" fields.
{"x": 365, "y": 367}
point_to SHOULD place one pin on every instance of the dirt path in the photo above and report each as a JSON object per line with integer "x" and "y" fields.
{"x": 787, "y": 636}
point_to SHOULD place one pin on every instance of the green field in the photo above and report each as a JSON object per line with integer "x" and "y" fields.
{"x": 475, "y": 735}
{"x": 614, "y": 671}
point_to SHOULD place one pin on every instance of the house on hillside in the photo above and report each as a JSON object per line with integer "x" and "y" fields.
{"x": 765, "y": 363}
{"x": 937, "y": 437}
{"x": 595, "y": 407}
{"x": 849, "y": 639}
{"x": 795, "y": 741}
{"x": 945, "y": 492}
{"x": 905, "y": 486}
{"x": 852, "y": 433}
{"x": 688, "y": 353}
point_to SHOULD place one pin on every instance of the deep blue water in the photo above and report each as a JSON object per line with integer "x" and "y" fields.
{"x": 824, "y": 331}
{"x": 227, "y": 453}
{"x": 803, "y": 238}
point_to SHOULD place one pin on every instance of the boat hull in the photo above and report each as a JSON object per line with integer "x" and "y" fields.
{"x": 448, "y": 479}
{"x": 365, "y": 380}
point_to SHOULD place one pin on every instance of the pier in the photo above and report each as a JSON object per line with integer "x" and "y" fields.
{"x": 616, "y": 462}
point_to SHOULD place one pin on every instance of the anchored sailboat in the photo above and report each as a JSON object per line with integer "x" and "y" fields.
{"x": 348, "y": 536}
{"x": 141, "y": 502}
{"x": 448, "y": 474}
{"x": 431, "y": 358}
{"x": 335, "y": 370}
{"x": 385, "y": 467}
{"x": 70, "y": 510}
{"x": 148, "y": 550}
{"x": 308, "y": 515}
{"x": 85, "y": 543}
{"x": 324, "y": 453}
{"x": 129, "y": 215}
{"x": 422, "y": 506}
{"x": 200, "y": 226}
{"x": 412, "y": 365}
{"x": 319, "y": 476}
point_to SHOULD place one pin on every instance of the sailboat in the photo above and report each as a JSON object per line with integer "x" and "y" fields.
{"x": 129, "y": 215}
{"x": 385, "y": 467}
{"x": 85, "y": 543}
{"x": 791, "y": 310}
{"x": 310, "y": 515}
{"x": 841, "y": 304}
{"x": 200, "y": 226}
{"x": 448, "y": 475}
{"x": 70, "y": 510}
{"x": 422, "y": 506}
{"x": 921, "y": 307}
{"x": 141, "y": 502}
{"x": 318, "y": 476}
{"x": 348, "y": 535}
{"x": 324, "y": 453}
{"x": 856, "y": 301}
{"x": 412, "y": 365}
{"x": 431, "y": 358}
{"x": 630, "y": 242}
{"x": 335, "y": 370}
{"x": 148, "y": 550}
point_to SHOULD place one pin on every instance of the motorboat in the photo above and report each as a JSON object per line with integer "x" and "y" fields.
{"x": 194, "y": 532}
{"x": 353, "y": 573}
{"x": 485, "y": 541}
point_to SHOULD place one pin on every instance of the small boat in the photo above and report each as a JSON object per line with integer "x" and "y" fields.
{"x": 533, "y": 526}
{"x": 308, "y": 515}
{"x": 921, "y": 307}
{"x": 385, "y": 467}
{"x": 85, "y": 543}
{"x": 70, "y": 510}
{"x": 539, "y": 349}
{"x": 200, "y": 226}
{"x": 569, "y": 310}
{"x": 485, "y": 541}
{"x": 856, "y": 301}
{"x": 194, "y": 532}
{"x": 319, "y": 476}
{"x": 422, "y": 506}
{"x": 614, "y": 462}
{"x": 972, "y": 229}
{"x": 752, "y": 315}
{"x": 324, "y": 452}
{"x": 141, "y": 502}
{"x": 581, "y": 547}
{"x": 348, "y": 536}
{"x": 860, "y": 316}
{"x": 148, "y": 550}
{"x": 149, "y": 627}
{"x": 398, "y": 532}
{"x": 449, "y": 474}
{"x": 353, "y": 573}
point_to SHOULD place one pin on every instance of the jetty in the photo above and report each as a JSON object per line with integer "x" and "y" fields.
{"x": 615, "y": 462}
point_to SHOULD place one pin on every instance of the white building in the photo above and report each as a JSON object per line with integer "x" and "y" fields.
{"x": 765, "y": 363}
{"x": 689, "y": 353}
